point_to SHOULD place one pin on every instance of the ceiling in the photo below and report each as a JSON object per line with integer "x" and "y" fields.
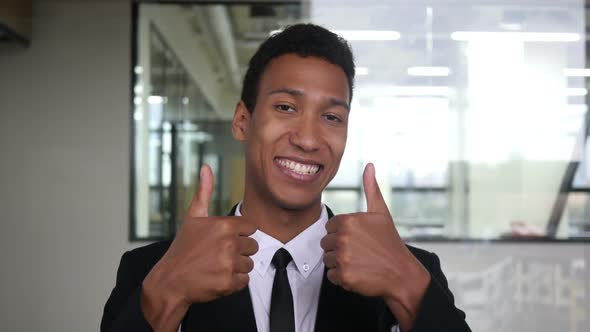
{"x": 228, "y": 35}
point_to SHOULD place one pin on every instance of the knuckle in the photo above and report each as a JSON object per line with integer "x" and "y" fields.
{"x": 226, "y": 226}
{"x": 346, "y": 278}
{"x": 242, "y": 282}
{"x": 342, "y": 241}
{"x": 250, "y": 264}
{"x": 229, "y": 245}
{"x": 342, "y": 258}
{"x": 226, "y": 266}
{"x": 227, "y": 282}
{"x": 323, "y": 243}
{"x": 346, "y": 224}
{"x": 219, "y": 286}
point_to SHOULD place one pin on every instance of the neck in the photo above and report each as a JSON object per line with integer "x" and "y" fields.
{"x": 279, "y": 222}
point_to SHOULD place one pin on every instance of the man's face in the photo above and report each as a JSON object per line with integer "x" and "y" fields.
{"x": 295, "y": 138}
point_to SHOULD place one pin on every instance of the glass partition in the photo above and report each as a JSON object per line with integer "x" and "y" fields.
{"x": 473, "y": 112}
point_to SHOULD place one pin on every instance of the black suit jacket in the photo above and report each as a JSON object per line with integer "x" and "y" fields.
{"x": 338, "y": 309}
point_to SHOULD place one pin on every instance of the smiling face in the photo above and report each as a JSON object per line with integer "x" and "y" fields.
{"x": 295, "y": 137}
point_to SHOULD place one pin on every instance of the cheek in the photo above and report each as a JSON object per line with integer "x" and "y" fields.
{"x": 270, "y": 130}
{"x": 266, "y": 135}
{"x": 338, "y": 144}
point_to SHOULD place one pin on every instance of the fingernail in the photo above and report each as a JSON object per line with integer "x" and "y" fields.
{"x": 372, "y": 168}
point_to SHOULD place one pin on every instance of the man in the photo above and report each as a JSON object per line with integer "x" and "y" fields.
{"x": 281, "y": 261}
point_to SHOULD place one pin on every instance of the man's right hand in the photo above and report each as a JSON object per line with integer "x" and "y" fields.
{"x": 208, "y": 259}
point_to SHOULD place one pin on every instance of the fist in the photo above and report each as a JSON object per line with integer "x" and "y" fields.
{"x": 209, "y": 258}
{"x": 364, "y": 252}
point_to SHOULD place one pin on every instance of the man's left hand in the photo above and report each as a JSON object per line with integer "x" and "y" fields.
{"x": 365, "y": 254}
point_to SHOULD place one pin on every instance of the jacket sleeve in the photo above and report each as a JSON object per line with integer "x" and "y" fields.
{"x": 438, "y": 311}
{"x": 122, "y": 312}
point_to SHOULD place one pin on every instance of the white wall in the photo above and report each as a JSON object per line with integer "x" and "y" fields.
{"x": 64, "y": 164}
{"x": 64, "y": 161}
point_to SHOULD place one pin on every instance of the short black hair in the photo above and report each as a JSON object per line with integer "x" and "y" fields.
{"x": 304, "y": 40}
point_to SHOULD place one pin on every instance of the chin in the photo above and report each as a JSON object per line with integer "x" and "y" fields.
{"x": 291, "y": 202}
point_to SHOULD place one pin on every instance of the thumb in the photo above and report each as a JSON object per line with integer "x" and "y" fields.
{"x": 200, "y": 205}
{"x": 375, "y": 201}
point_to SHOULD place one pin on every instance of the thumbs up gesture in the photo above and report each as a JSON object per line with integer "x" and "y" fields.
{"x": 209, "y": 258}
{"x": 365, "y": 254}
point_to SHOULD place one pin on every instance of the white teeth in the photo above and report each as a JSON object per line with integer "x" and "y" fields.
{"x": 299, "y": 168}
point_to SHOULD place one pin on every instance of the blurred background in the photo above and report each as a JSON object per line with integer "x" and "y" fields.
{"x": 475, "y": 113}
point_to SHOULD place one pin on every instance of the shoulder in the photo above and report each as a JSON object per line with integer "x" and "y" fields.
{"x": 140, "y": 261}
{"x": 150, "y": 250}
{"x": 428, "y": 259}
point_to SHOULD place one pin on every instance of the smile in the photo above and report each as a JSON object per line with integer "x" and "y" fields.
{"x": 298, "y": 167}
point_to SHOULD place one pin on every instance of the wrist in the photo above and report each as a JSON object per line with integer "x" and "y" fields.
{"x": 162, "y": 307}
{"x": 405, "y": 294}
{"x": 410, "y": 290}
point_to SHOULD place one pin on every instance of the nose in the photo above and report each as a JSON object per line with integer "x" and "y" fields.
{"x": 306, "y": 134}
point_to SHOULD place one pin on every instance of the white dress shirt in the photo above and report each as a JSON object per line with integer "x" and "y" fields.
{"x": 305, "y": 273}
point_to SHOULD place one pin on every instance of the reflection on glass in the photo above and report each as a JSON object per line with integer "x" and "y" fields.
{"x": 342, "y": 200}
{"x": 421, "y": 213}
{"x": 575, "y": 220}
{"x": 474, "y": 115}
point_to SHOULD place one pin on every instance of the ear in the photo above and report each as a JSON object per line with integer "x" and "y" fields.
{"x": 240, "y": 122}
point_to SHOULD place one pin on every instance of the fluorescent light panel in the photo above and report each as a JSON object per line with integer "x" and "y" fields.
{"x": 440, "y": 91}
{"x": 368, "y": 34}
{"x": 429, "y": 71}
{"x": 155, "y": 99}
{"x": 576, "y": 92}
{"x": 516, "y": 36}
{"x": 577, "y": 72}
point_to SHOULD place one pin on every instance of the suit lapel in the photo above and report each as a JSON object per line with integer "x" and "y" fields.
{"x": 341, "y": 310}
{"x": 229, "y": 313}
{"x": 330, "y": 301}
{"x": 238, "y": 306}
{"x": 237, "y": 312}
{"x": 333, "y": 299}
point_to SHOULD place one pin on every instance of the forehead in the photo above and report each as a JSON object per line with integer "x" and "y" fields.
{"x": 312, "y": 75}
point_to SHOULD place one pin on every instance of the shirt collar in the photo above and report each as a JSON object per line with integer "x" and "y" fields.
{"x": 304, "y": 248}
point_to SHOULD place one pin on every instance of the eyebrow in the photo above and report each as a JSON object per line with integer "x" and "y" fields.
{"x": 298, "y": 93}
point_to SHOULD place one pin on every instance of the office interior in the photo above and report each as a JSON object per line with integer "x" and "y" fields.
{"x": 475, "y": 113}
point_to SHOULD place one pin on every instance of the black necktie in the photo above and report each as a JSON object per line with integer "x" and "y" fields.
{"x": 282, "y": 315}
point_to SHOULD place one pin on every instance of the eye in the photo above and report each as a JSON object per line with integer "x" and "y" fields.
{"x": 332, "y": 118}
{"x": 285, "y": 108}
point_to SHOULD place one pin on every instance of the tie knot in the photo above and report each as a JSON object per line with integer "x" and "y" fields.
{"x": 281, "y": 259}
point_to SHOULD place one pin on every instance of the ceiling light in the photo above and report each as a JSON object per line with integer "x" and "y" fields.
{"x": 429, "y": 71}
{"x": 440, "y": 91}
{"x": 576, "y": 92}
{"x": 155, "y": 99}
{"x": 577, "y": 72}
{"x": 516, "y": 36}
